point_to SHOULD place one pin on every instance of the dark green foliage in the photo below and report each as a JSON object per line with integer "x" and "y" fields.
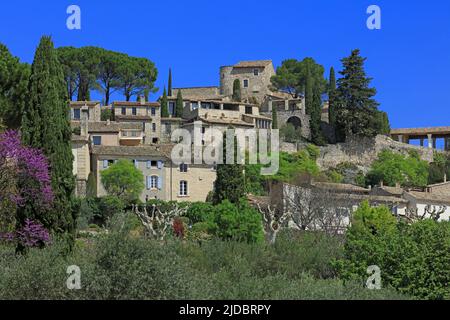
{"x": 106, "y": 114}
{"x": 169, "y": 93}
{"x": 238, "y": 222}
{"x": 413, "y": 258}
{"x": 14, "y": 77}
{"x": 230, "y": 184}
{"x": 237, "y": 90}
{"x": 291, "y": 134}
{"x": 106, "y": 71}
{"x": 331, "y": 97}
{"x": 164, "y": 105}
{"x": 99, "y": 210}
{"x": 384, "y": 126}
{"x": 274, "y": 118}
{"x": 45, "y": 125}
{"x": 393, "y": 168}
{"x": 356, "y": 109}
{"x": 123, "y": 180}
{"x": 179, "y": 105}
{"x": 304, "y": 78}
{"x": 439, "y": 168}
{"x": 119, "y": 267}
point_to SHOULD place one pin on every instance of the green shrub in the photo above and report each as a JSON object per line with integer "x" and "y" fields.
{"x": 414, "y": 259}
{"x": 238, "y": 222}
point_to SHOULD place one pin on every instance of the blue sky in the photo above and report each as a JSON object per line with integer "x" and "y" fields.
{"x": 409, "y": 58}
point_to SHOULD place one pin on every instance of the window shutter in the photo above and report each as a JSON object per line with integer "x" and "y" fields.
{"x": 135, "y": 163}
{"x": 149, "y": 164}
{"x": 160, "y": 164}
{"x": 160, "y": 182}
{"x": 105, "y": 164}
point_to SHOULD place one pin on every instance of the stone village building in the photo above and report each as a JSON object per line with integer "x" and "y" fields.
{"x": 139, "y": 133}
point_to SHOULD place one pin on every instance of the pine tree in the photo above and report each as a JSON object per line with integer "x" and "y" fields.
{"x": 356, "y": 110}
{"x": 274, "y": 118}
{"x": 237, "y": 96}
{"x": 164, "y": 105}
{"x": 170, "y": 83}
{"x": 46, "y": 126}
{"x": 331, "y": 93}
{"x": 179, "y": 105}
{"x": 229, "y": 184}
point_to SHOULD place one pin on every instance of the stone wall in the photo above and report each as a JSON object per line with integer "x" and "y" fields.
{"x": 363, "y": 151}
{"x": 205, "y": 92}
{"x": 258, "y": 85}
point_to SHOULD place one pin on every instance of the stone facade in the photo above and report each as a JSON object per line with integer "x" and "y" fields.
{"x": 254, "y": 77}
{"x": 204, "y": 92}
{"x": 363, "y": 151}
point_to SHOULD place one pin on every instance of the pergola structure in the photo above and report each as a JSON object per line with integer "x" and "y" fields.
{"x": 430, "y": 134}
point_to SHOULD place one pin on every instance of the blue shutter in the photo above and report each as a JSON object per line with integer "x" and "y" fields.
{"x": 160, "y": 182}
{"x": 135, "y": 163}
{"x": 160, "y": 164}
{"x": 149, "y": 182}
{"x": 105, "y": 164}
{"x": 149, "y": 164}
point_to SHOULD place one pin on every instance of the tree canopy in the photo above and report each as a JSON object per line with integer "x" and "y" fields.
{"x": 93, "y": 68}
{"x": 123, "y": 180}
{"x": 14, "y": 77}
{"x": 355, "y": 108}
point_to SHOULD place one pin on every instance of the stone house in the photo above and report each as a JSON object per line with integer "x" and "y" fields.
{"x": 147, "y": 114}
{"x": 162, "y": 178}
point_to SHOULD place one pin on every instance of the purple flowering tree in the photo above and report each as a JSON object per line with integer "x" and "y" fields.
{"x": 25, "y": 184}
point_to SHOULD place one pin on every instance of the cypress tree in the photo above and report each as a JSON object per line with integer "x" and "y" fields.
{"x": 170, "y": 82}
{"x": 46, "y": 126}
{"x": 179, "y": 105}
{"x": 331, "y": 93}
{"x": 274, "y": 118}
{"x": 229, "y": 184}
{"x": 309, "y": 94}
{"x": 237, "y": 96}
{"x": 164, "y": 105}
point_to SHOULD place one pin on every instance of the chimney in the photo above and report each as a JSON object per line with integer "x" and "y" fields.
{"x": 142, "y": 99}
{"x": 84, "y": 121}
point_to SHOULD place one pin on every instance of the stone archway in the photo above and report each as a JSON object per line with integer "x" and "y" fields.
{"x": 295, "y": 121}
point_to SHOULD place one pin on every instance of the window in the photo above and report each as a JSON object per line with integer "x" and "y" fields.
{"x": 124, "y": 111}
{"x": 77, "y": 114}
{"x": 153, "y": 182}
{"x": 183, "y": 167}
{"x": 172, "y": 108}
{"x": 154, "y": 164}
{"x": 248, "y": 110}
{"x": 153, "y": 111}
{"x": 203, "y": 130}
{"x": 154, "y": 127}
{"x": 246, "y": 83}
{"x": 206, "y": 105}
{"x": 134, "y": 111}
{"x": 256, "y": 72}
{"x": 97, "y": 140}
{"x": 155, "y": 140}
{"x": 183, "y": 188}
{"x": 194, "y": 105}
